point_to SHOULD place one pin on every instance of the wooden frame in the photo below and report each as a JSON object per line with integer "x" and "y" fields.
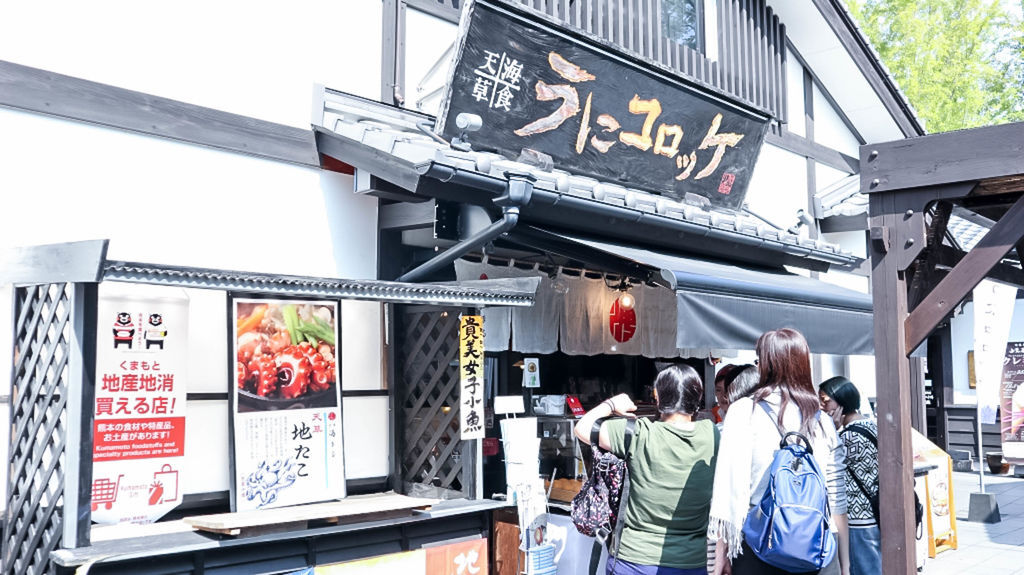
{"x": 52, "y": 94}
{"x": 904, "y": 178}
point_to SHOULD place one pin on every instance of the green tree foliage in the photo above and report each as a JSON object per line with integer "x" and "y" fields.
{"x": 960, "y": 62}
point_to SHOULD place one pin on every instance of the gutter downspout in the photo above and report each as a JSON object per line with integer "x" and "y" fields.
{"x": 518, "y": 192}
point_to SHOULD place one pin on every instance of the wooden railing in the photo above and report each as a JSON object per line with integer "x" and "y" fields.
{"x": 751, "y": 41}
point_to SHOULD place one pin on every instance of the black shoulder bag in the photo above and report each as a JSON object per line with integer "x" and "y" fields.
{"x": 873, "y": 498}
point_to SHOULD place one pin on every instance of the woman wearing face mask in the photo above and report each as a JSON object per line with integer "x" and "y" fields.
{"x": 840, "y": 399}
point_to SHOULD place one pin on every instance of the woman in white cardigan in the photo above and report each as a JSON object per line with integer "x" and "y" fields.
{"x": 749, "y": 442}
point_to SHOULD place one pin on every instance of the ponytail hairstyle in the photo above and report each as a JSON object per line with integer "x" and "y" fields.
{"x": 680, "y": 390}
{"x": 784, "y": 361}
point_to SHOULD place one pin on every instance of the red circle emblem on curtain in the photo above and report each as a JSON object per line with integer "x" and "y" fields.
{"x": 621, "y": 322}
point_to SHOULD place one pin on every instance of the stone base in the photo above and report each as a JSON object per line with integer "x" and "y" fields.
{"x": 984, "y": 508}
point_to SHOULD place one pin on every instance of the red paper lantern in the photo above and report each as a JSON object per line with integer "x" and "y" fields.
{"x": 621, "y": 322}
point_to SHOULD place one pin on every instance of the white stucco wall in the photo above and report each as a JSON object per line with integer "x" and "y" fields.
{"x": 778, "y": 187}
{"x": 829, "y": 128}
{"x": 257, "y": 59}
{"x": 165, "y": 202}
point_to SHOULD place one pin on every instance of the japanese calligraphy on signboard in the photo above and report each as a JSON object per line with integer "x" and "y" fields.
{"x": 1011, "y": 402}
{"x": 471, "y": 376}
{"x": 286, "y": 409}
{"x": 139, "y": 417}
{"x": 596, "y": 112}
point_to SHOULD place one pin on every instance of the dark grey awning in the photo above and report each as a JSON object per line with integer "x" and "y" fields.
{"x": 726, "y": 306}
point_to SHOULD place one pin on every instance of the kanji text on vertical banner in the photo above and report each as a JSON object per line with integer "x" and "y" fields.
{"x": 471, "y": 376}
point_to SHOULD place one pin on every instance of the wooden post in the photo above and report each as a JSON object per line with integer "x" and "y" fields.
{"x": 892, "y": 369}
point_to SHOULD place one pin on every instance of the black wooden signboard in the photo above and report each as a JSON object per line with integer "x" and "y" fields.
{"x": 596, "y": 112}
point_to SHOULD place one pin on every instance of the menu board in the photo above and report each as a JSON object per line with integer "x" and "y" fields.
{"x": 286, "y": 403}
{"x": 139, "y": 416}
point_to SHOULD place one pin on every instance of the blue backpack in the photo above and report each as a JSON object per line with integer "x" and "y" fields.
{"x": 789, "y": 529}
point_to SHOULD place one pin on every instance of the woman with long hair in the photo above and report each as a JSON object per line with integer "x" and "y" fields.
{"x": 671, "y": 465}
{"x": 750, "y": 439}
{"x": 841, "y": 399}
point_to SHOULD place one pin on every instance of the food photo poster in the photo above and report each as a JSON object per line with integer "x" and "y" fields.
{"x": 286, "y": 403}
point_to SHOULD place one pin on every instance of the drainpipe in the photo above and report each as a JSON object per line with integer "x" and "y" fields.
{"x": 518, "y": 192}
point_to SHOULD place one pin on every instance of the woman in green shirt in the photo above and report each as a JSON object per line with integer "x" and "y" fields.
{"x": 671, "y": 469}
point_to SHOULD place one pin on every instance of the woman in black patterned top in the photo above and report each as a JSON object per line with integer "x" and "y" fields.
{"x": 859, "y": 435}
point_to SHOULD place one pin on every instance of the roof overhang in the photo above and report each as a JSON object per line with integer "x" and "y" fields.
{"x": 38, "y": 265}
{"x": 414, "y": 171}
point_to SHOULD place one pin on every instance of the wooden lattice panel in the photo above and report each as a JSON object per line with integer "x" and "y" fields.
{"x": 429, "y": 395}
{"x": 36, "y": 482}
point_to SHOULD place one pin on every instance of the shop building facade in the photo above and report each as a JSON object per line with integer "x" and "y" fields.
{"x": 195, "y": 150}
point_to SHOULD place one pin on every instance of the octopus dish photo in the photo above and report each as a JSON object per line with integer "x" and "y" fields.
{"x": 285, "y": 355}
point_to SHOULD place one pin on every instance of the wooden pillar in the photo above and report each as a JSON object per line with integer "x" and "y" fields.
{"x": 940, "y": 371}
{"x": 918, "y": 416}
{"x": 892, "y": 374}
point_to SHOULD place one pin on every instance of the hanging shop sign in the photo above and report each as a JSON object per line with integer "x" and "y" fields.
{"x": 139, "y": 416}
{"x": 595, "y": 111}
{"x": 1012, "y": 403}
{"x": 471, "y": 376}
{"x": 286, "y": 403}
{"x": 993, "y": 310}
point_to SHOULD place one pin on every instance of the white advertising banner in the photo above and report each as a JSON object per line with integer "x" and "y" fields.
{"x": 993, "y": 311}
{"x": 139, "y": 427}
{"x": 471, "y": 376}
{"x": 286, "y": 403}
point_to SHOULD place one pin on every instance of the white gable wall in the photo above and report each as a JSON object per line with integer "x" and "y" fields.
{"x": 252, "y": 58}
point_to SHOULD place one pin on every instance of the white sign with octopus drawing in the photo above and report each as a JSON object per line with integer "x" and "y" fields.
{"x": 286, "y": 409}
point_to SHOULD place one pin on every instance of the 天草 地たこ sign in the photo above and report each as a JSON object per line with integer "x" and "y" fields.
{"x": 286, "y": 403}
{"x": 594, "y": 111}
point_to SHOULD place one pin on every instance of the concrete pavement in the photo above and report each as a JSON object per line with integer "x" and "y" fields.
{"x": 996, "y": 548}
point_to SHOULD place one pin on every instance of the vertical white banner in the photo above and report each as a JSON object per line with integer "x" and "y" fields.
{"x": 993, "y": 311}
{"x": 288, "y": 443}
{"x": 471, "y": 376}
{"x": 139, "y": 417}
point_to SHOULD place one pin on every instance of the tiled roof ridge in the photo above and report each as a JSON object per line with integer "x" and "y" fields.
{"x": 418, "y": 148}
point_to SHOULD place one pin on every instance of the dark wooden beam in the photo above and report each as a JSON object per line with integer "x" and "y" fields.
{"x": 921, "y": 282}
{"x": 407, "y": 216}
{"x": 73, "y": 262}
{"x": 44, "y": 92}
{"x": 799, "y": 145}
{"x": 948, "y": 257}
{"x": 967, "y": 274}
{"x": 940, "y": 372}
{"x": 968, "y": 155}
{"x": 844, "y": 224}
{"x": 892, "y": 372}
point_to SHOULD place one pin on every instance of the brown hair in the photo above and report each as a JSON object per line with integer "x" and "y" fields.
{"x": 785, "y": 364}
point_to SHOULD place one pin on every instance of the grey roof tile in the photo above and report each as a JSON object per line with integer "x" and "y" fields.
{"x": 416, "y": 147}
